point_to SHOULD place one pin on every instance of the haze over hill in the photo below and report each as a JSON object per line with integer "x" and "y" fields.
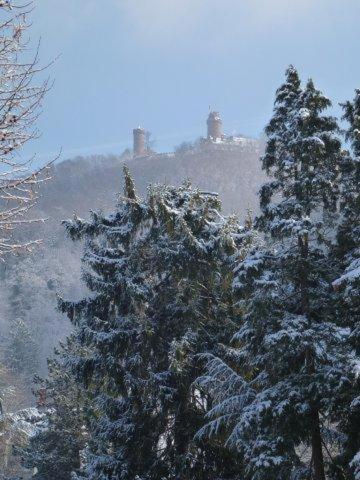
{"x": 32, "y": 283}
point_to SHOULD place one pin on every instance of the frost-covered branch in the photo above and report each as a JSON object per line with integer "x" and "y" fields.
{"x": 21, "y": 98}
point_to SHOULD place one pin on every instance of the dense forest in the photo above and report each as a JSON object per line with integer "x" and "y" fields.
{"x": 31, "y": 324}
{"x": 204, "y": 345}
{"x": 183, "y": 316}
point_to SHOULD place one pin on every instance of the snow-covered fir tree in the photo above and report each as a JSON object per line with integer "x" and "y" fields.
{"x": 348, "y": 251}
{"x": 21, "y": 353}
{"x": 276, "y": 399}
{"x": 56, "y": 448}
{"x": 349, "y": 229}
{"x": 160, "y": 270}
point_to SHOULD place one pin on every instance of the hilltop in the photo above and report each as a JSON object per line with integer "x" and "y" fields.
{"x": 30, "y": 284}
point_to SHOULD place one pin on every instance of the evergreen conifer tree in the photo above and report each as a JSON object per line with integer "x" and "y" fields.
{"x": 349, "y": 229}
{"x": 291, "y": 358}
{"x": 56, "y": 448}
{"x": 160, "y": 272}
{"x": 348, "y": 284}
{"x": 21, "y": 352}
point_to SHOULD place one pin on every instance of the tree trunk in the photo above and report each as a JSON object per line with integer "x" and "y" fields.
{"x": 316, "y": 440}
{"x": 317, "y": 452}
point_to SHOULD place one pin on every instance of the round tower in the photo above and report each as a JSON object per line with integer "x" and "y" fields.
{"x": 139, "y": 148}
{"x": 214, "y": 126}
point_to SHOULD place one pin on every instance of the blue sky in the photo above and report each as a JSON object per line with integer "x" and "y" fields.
{"x": 161, "y": 63}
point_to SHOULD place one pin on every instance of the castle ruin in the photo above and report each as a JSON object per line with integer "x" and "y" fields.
{"x": 215, "y": 140}
{"x": 139, "y": 148}
{"x": 214, "y": 126}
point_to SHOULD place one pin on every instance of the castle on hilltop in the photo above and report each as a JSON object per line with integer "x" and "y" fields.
{"x": 215, "y": 139}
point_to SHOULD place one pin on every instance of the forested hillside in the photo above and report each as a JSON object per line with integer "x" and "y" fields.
{"x": 191, "y": 313}
{"x": 32, "y": 325}
{"x": 203, "y": 345}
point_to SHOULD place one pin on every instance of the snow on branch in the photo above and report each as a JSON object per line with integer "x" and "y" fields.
{"x": 21, "y": 99}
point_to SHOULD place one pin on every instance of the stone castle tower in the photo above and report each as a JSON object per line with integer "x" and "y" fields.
{"x": 214, "y": 126}
{"x": 216, "y": 139}
{"x": 139, "y": 148}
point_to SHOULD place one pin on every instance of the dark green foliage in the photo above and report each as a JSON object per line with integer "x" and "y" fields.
{"x": 172, "y": 283}
{"x": 348, "y": 285}
{"x": 21, "y": 353}
{"x": 348, "y": 245}
{"x": 292, "y": 358}
{"x": 55, "y": 450}
{"x": 20, "y": 350}
{"x": 160, "y": 273}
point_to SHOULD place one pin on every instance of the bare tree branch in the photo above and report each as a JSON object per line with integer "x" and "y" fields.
{"x": 20, "y": 105}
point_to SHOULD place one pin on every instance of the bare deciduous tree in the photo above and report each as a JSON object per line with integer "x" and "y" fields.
{"x": 20, "y": 104}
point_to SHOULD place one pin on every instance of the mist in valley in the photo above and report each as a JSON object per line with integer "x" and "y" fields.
{"x": 83, "y": 184}
{"x": 179, "y": 240}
